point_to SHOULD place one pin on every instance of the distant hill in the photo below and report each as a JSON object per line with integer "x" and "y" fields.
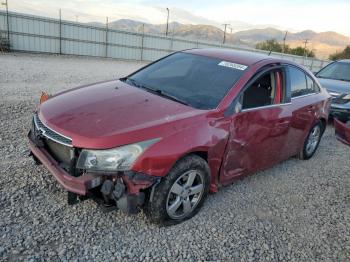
{"x": 323, "y": 43}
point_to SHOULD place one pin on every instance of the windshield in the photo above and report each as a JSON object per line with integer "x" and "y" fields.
{"x": 337, "y": 70}
{"x": 194, "y": 80}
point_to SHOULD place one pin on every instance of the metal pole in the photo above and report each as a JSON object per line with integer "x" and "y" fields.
{"x": 172, "y": 43}
{"x": 223, "y": 42}
{"x": 106, "y": 37}
{"x": 143, "y": 35}
{"x": 167, "y": 23}
{"x": 284, "y": 42}
{"x": 60, "y": 30}
{"x": 8, "y": 24}
{"x": 306, "y": 41}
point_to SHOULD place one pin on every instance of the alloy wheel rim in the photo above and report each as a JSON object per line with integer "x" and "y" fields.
{"x": 313, "y": 140}
{"x": 185, "y": 194}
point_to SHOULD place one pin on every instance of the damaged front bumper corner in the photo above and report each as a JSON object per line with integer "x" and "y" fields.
{"x": 125, "y": 189}
{"x": 79, "y": 185}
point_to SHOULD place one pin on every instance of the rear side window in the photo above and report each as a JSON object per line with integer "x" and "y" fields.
{"x": 299, "y": 84}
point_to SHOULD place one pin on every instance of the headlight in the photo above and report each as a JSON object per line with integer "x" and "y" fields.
{"x": 347, "y": 97}
{"x": 112, "y": 160}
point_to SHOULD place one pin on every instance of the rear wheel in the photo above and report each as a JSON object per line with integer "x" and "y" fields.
{"x": 181, "y": 193}
{"x": 312, "y": 141}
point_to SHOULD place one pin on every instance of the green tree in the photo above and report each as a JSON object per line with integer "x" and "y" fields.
{"x": 274, "y": 46}
{"x": 301, "y": 51}
{"x": 345, "y": 54}
{"x": 270, "y": 45}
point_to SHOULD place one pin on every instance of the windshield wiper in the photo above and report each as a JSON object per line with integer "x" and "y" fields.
{"x": 154, "y": 91}
{"x": 171, "y": 97}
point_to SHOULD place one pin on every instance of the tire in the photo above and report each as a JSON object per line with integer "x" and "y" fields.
{"x": 312, "y": 141}
{"x": 176, "y": 199}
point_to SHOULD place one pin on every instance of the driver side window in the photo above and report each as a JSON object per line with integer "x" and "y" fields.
{"x": 266, "y": 90}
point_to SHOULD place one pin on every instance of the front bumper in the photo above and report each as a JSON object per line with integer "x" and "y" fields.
{"x": 79, "y": 185}
{"x": 134, "y": 182}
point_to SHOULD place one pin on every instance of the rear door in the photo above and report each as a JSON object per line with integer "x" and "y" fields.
{"x": 342, "y": 131}
{"x": 258, "y": 130}
{"x": 304, "y": 104}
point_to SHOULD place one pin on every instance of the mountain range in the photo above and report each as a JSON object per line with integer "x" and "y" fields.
{"x": 323, "y": 44}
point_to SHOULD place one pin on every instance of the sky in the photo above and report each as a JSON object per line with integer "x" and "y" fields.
{"x": 296, "y": 15}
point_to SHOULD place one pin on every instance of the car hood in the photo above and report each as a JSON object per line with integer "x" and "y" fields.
{"x": 337, "y": 86}
{"x": 110, "y": 114}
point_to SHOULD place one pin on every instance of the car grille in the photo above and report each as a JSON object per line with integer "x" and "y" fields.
{"x": 51, "y": 134}
{"x": 63, "y": 154}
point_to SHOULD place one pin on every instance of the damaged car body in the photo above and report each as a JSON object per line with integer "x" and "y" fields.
{"x": 165, "y": 136}
{"x": 342, "y": 130}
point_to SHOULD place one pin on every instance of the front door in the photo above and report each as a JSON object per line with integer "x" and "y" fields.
{"x": 258, "y": 133}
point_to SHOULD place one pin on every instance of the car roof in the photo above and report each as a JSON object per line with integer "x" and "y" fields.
{"x": 237, "y": 56}
{"x": 344, "y": 61}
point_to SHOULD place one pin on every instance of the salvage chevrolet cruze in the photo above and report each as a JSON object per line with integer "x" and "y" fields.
{"x": 165, "y": 136}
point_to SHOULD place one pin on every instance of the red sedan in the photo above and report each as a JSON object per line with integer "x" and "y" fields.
{"x": 189, "y": 123}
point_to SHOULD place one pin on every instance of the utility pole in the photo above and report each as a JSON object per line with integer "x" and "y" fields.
{"x": 306, "y": 41}
{"x": 167, "y": 22}
{"x": 284, "y": 42}
{"x": 225, "y": 25}
{"x": 7, "y": 20}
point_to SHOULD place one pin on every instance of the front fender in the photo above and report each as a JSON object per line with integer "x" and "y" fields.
{"x": 208, "y": 136}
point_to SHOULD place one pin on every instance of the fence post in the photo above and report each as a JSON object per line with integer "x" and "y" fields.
{"x": 312, "y": 64}
{"x": 60, "y": 31}
{"x": 106, "y": 40}
{"x": 142, "y": 37}
{"x": 172, "y": 43}
{"x": 8, "y": 24}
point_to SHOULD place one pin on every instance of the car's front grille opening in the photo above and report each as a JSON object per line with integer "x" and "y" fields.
{"x": 60, "y": 152}
{"x": 51, "y": 134}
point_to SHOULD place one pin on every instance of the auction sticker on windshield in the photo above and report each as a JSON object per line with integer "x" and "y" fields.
{"x": 233, "y": 65}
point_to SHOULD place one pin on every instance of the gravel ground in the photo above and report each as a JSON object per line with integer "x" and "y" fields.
{"x": 297, "y": 211}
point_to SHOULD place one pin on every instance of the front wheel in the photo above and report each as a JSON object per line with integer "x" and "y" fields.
{"x": 181, "y": 193}
{"x": 312, "y": 141}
